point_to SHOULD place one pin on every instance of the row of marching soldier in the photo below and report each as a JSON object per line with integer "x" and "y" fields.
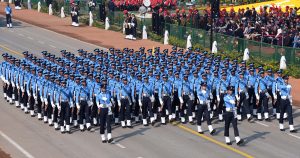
{"x": 123, "y": 87}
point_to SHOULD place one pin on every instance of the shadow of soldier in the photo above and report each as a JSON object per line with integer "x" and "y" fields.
{"x": 140, "y": 131}
{"x": 256, "y": 135}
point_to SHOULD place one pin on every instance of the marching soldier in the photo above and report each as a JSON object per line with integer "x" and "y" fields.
{"x": 94, "y": 91}
{"x": 251, "y": 80}
{"x": 221, "y": 91}
{"x": 55, "y": 102}
{"x": 230, "y": 117}
{"x": 32, "y": 91}
{"x": 165, "y": 98}
{"x": 16, "y": 81}
{"x": 146, "y": 100}
{"x": 270, "y": 82}
{"x": 40, "y": 84}
{"x": 242, "y": 96}
{"x": 186, "y": 97}
{"x": 105, "y": 113}
{"x": 203, "y": 108}
{"x": 83, "y": 103}
{"x": 124, "y": 100}
{"x": 286, "y": 104}
{"x": 65, "y": 102}
{"x": 262, "y": 96}
{"x": 276, "y": 93}
{"x": 136, "y": 87}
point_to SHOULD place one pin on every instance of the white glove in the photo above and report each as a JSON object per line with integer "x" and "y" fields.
{"x": 109, "y": 111}
{"x": 232, "y": 101}
{"x": 211, "y": 95}
{"x": 191, "y": 97}
{"x": 152, "y": 98}
{"x": 101, "y": 105}
{"x": 119, "y": 102}
{"x": 35, "y": 97}
{"x": 90, "y": 103}
{"x": 227, "y": 109}
{"x": 218, "y": 98}
{"x": 237, "y": 97}
{"x": 46, "y": 102}
{"x": 13, "y": 84}
{"x": 201, "y": 101}
{"x": 52, "y": 104}
{"x": 98, "y": 105}
{"x": 275, "y": 96}
{"x": 161, "y": 102}
{"x": 71, "y": 104}
{"x": 140, "y": 103}
{"x": 247, "y": 96}
{"x": 181, "y": 100}
{"x": 18, "y": 86}
{"x": 291, "y": 100}
{"x": 42, "y": 99}
{"x": 2, "y": 78}
{"x": 257, "y": 96}
{"x": 77, "y": 105}
{"x": 58, "y": 106}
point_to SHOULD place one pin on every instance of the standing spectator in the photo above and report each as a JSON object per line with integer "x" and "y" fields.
{"x": 133, "y": 26}
{"x": 75, "y": 14}
{"x": 296, "y": 42}
{"x": 8, "y": 12}
{"x": 111, "y": 7}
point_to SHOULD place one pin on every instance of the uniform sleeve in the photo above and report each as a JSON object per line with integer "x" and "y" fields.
{"x": 77, "y": 96}
{"x": 140, "y": 92}
{"x": 159, "y": 92}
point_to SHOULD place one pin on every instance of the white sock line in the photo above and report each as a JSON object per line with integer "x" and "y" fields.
{"x": 15, "y": 144}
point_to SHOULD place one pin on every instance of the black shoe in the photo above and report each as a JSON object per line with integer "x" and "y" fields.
{"x": 240, "y": 142}
{"x": 89, "y": 128}
{"x": 201, "y": 132}
{"x": 51, "y": 125}
{"x": 27, "y": 112}
{"x": 229, "y": 143}
{"x": 40, "y": 119}
{"x": 153, "y": 123}
{"x": 268, "y": 119}
{"x": 63, "y": 132}
{"x": 117, "y": 123}
{"x": 76, "y": 126}
{"x": 164, "y": 123}
{"x": 45, "y": 122}
{"x": 32, "y": 115}
{"x": 56, "y": 129}
{"x": 213, "y": 132}
{"x": 250, "y": 118}
{"x": 123, "y": 126}
{"x": 110, "y": 140}
{"x": 282, "y": 129}
{"x": 129, "y": 126}
{"x": 293, "y": 131}
{"x": 172, "y": 120}
{"x": 69, "y": 132}
{"x": 221, "y": 120}
{"x": 146, "y": 125}
{"x": 104, "y": 141}
{"x": 183, "y": 122}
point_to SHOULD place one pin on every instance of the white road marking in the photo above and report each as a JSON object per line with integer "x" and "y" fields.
{"x": 262, "y": 124}
{"x": 41, "y": 42}
{"x": 52, "y": 46}
{"x": 294, "y": 135}
{"x": 30, "y": 38}
{"x": 21, "y": 35}
{"x": 27, "y": 154}
{"x": 121, "y": 146}
{"x": 139, "y": 157}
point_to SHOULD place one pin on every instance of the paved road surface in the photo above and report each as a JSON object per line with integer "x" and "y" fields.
{"x": 23, "y": 136}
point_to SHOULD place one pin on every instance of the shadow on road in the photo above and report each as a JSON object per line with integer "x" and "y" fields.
{"x": 256, "y": 135}
{"x": 140, "y": 131}
{"x": 16, "y": 24}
